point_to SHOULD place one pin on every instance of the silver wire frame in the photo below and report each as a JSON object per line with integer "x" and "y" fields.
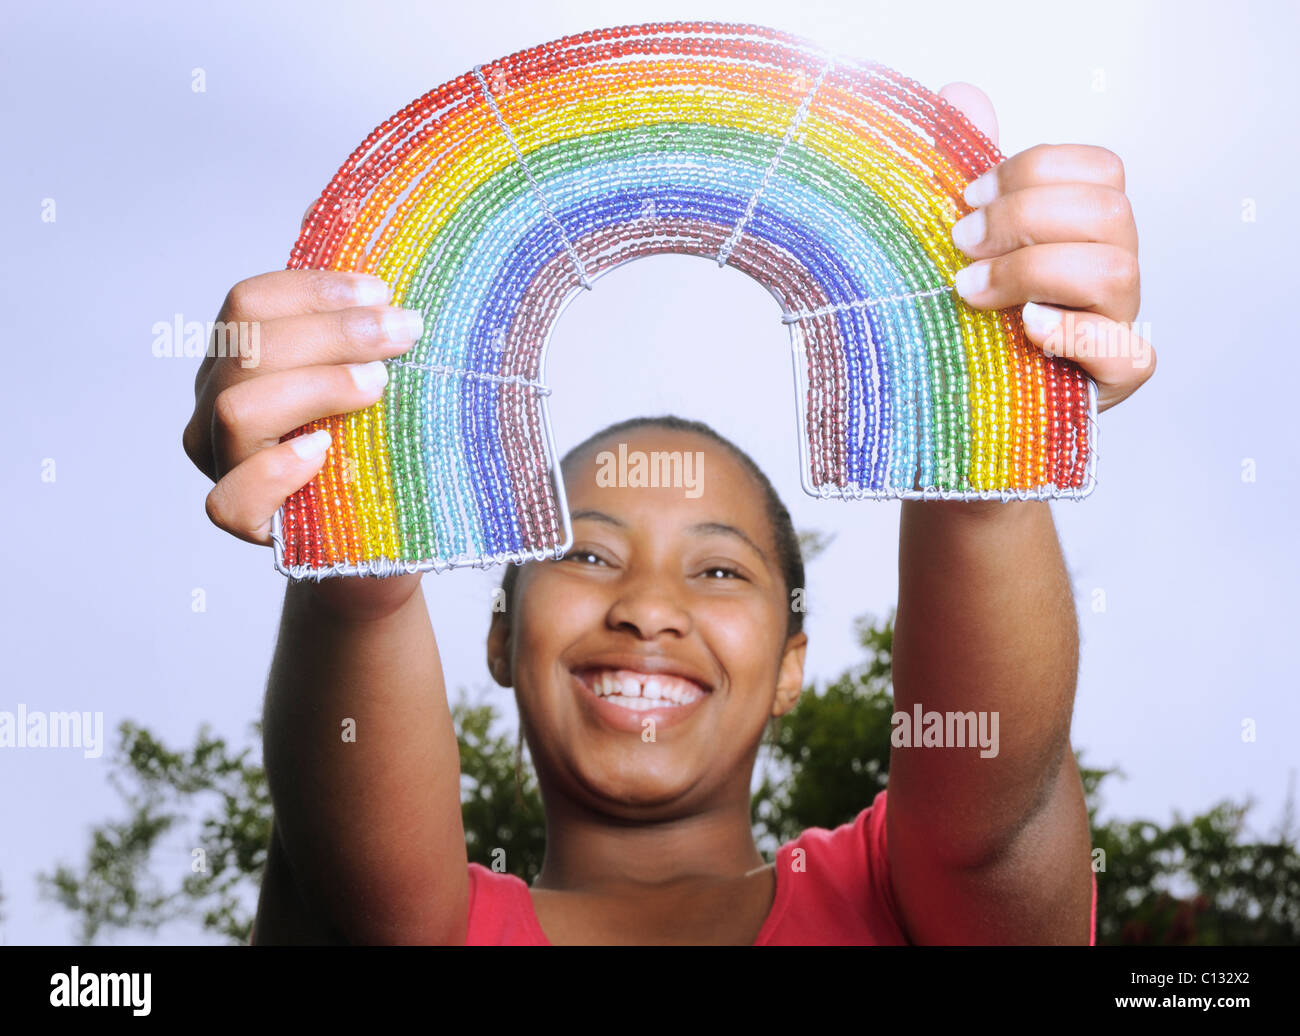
{"x": 1047, "y": 492}
{"x": 389, "y": 567}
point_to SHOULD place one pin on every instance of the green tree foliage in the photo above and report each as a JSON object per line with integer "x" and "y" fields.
{"x": 1196, "y": 881}
{"x": 502, "y": 813}
{"x": 134, "y": 877}
{"x": 828, "y": 757}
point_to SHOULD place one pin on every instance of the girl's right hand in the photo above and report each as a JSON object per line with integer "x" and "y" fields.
{"x": 324, "y": 336}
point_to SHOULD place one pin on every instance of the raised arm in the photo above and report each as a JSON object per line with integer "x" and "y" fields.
{"x": 361, "y": 755}
{"x": 985, "y": 847}
{"x": 370, "y": 835}
{"x": 995, "y": 848}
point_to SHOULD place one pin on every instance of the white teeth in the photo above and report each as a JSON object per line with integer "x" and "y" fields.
{"x": 635, "y": 691}
{"x": 627, "y": 686}
{"x": 640, "y": 704}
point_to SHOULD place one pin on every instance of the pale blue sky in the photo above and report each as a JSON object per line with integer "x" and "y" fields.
{"x": 165, "y": 197}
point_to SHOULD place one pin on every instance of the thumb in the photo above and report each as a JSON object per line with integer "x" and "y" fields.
{"x": 968, "y": 156}
{"x": 974, "y": 103}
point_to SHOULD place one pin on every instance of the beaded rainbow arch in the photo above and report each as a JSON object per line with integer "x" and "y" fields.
{"x": 495, "y": 199}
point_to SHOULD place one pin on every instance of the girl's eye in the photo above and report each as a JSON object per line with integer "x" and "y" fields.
{"x": 574, "y": 555}
{"x": 591, "y": 557}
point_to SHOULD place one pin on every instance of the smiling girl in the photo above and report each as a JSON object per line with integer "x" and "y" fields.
{"x": 647, "y": 662}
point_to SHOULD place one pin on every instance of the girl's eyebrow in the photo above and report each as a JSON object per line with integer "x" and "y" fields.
{"x": 706, "y": 528}
{"x": 599, "y": 516}
{"x": 703, "y": 528}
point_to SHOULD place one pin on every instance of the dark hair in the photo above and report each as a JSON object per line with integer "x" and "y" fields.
{"x": 788, "y": 550}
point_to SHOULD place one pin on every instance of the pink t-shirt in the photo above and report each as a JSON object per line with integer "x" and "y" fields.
{"x": 836, "y": 892}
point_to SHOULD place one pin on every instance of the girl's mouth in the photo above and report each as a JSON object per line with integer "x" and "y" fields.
{"x": 634, "y": 690}
{"x": 626, "y": 698}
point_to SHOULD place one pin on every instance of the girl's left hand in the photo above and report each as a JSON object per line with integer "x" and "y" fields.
{"x": 1053, "y": 231}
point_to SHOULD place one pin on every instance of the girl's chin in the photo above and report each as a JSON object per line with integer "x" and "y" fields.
{"x": 642, "y": 793}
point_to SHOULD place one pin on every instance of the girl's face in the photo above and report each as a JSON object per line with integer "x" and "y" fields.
{"x": 673, "y": 590}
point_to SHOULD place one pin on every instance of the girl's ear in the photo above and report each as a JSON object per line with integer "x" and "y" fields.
{"x": 498, "y": 649}
{"x": 789, "y": 681}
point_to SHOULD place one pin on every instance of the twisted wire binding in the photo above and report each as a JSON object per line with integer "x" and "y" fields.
{"x": 583, "y": 279}
{"x": 380, "y": 567}
{"x": 800, "y": 114}
{"x": 794, "y": 316}
{"x": 502, "y": 379}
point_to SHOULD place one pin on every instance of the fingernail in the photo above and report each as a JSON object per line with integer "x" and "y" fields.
{"x": 1041, "y": 321}
{"x": 971, "y": 280}
{"x": 369, "y": 377}
{"x": 969, "y": 231}
{"x": 369, "y": 290}
{"x": 309, "y": 447}
{"x": 403, "y": 325}
{"x": 982, "y": 190}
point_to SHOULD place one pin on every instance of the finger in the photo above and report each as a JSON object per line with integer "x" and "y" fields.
{"x": 1113, "y": 354}
{"x": 283, "y": 293}
{"x": 351, "y": 335}
{"x": 1048, "y": 163}
{"x": 257, "y": 413}
{"x": 244, "y": 501}
{"x": 356, "y": 335}
{"x": 1078, "y": 275}
{"x": 974, "y": 103}
{"x": 1044, "y": 214}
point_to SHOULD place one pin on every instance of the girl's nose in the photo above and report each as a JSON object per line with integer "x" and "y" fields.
{"x": 648, "y": 605}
